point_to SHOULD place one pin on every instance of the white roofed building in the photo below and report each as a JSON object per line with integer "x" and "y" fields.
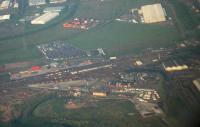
{"x": 4, "y": 17}
{"x": 153, "y": 13}
{"x": 197, "y": 84}
{"x": 5, "y": 4}
{"x": 36, "y": 2}
{"x": 57, "y": 1}
{"x": 54, "y": 9}
{"x": 46, "y": 17}
{"x": 16, "y": 5}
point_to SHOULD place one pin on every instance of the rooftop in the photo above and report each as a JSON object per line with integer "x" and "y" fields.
{"x": 153, "y": 13}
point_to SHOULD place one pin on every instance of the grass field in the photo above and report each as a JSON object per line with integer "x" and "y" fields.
{"x": 119, "y": 38}
{"x": 107, "y": 113}
{"x": 127, "y": 38}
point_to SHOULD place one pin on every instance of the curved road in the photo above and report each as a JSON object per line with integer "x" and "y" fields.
{"x": 72, "y": 7}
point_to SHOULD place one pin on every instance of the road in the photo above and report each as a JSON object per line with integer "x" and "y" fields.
{"x": 72, "y": 7}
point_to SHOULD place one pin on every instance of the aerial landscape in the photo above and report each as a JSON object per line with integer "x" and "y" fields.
{"x": 99, "y": 63}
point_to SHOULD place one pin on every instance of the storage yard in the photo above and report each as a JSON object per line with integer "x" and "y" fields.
{"x": 60, "y": 50}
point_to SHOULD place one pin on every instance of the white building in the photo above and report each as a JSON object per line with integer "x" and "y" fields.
{"x": 197, "y": 84}
{"x": 54, "y": 9}
{"x": 46, "y": 17}
{"x": 16, "y": 5}
{"x": 138, "y": 63}
{"x": 5, "y": 4}
{"x": 4, "y": 17}
{"x": 36, "y": 2}
{"x": 153, "y": 13}
{"x": 57, "y": 1}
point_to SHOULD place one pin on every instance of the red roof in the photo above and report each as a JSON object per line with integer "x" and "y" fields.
{"x": 35, "y": 68}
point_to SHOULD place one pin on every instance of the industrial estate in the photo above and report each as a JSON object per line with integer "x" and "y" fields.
{"x": 99, "y": 63}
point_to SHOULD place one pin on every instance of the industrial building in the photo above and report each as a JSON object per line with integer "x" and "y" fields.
{"x": 175, "y": 67}
{"x": 138, "y": 63}
{"x": 5, "y": 4}
{"x": 4, "y": 17}
{"x": 153, "y": 13}
{"x": 99, "y": 94}
{"x": 197, "y": 84}
{"x": 46, "y": 17}
{"x": 16, "y": 5}
{"x": 36, "y": 2}
{"x": 57, "y": 1}
{"x": 53, "y": 9}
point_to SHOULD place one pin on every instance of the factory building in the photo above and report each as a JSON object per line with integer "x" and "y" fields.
{"x": 16, "y": 5}
{"x": 99, "y": 94}
{"x": 175, "y": 67}
{"x": 53, "y": 9}
{"x": 153, "y": 13}
{"x": 197, "y": 84}
{"x": 36, "y": 2}
{"x": 5, "y": 4}
{"x": 4, "y": 17}
{"x": 138, "y": 63}
{"x": 57, "y": 1}
{"x": 46, "y": 17}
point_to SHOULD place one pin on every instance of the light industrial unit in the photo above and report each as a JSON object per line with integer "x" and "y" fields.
{"x": 153, "y": 13}
{"x": 46, "y": 17}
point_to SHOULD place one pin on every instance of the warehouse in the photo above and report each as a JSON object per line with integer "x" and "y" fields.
{"x": 45, "y": 18}
{"x": 53, "y": 9}
{"x": 4, "y": 17}
{"x": 4, "y": 4}
{"x": 99, "y": 94}
{"x": 197, "y": 84}
{"x": 153, "y": 13}
{"x": 57, "y": 1}
{"x": 36, "y": 2}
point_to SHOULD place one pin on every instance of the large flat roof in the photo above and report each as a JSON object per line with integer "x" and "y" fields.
{"x": 36, "y": 2}
{"x": 45, "y": 18}
{"x": 153, "y": 13}
{"x": 54, "y": 9}
{"x": 197, "y": 84}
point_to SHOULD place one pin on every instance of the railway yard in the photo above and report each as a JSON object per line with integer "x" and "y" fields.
{"x": 132, "y": 78}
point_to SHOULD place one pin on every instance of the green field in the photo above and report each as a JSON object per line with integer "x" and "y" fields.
{"x": 118, "y": 38}
{"x": 128, "y": 38}
{"x": 50, "y": 111}
{"x": 107, "y": 113}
